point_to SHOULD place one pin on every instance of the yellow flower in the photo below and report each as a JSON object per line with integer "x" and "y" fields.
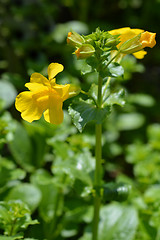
{"x": 45, "y": 97}
{"x": 141, "y": 39}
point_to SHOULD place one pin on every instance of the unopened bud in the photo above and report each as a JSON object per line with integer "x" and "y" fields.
{"x": 85, "y": 51}
{"x": 137, "y": 43}
{"x": 132, "y": 45}
{"x": 111, "y": 42}
{"x": 75, "y": 39}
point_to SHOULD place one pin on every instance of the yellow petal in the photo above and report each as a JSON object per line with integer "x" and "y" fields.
{"x": 54, "y": 113}
{"x": 54, "y": 69}
{"x": 62, "y": 90}
{"x": 39, "y": 78}
{"x": 26, "y": 104}
{"x": 125, "y": 33}
{"x": 36, "y": 87}
{"x": 140, "y": 54}
{"x": 148, "y": 39}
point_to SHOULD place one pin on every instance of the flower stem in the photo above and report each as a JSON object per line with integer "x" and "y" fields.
{"x": 97, "y": 177}
{"x": 116, "y": 55}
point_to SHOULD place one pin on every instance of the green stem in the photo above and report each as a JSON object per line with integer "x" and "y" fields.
{"x": 85, "y": 93}
{"x": 112, "y": 59}
{"x": 53, "y": 228}
{"x": 97, "y": 178}
{"x": 106, "y": 85}
{"x": 12, "y": 228}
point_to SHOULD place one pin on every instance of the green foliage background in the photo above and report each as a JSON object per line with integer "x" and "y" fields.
{"x": 46, "y": 171}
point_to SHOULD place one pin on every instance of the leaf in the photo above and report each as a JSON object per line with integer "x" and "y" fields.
{"x": 21, "y": 148}
{"x": 108, "y": 98}
{"x": 9, "y": 172}
{"x": 44, "y": 182}
{"x": 75, "y": 165}
{"x": 61, "y": 30}
{"x": 17, "y": 236}
{"x": 7, "y": 93}
{"x": 26, "y": 192}
{"x": 83, "y": 66}
{"x": 83, "y": 112}
{"x": 86, "y": 236}
{"x": 130, "y": 121}
{"x": 152, "y": 194}
{"x": 30, "y": 239}
{"x": 112, "y": 70}
{"x": 142, "y": 99}
{"x": 115, "y": 98}
{"x": 118, "y": 222}
{"x": 116, "y": 70}
{"x": 15, "y": 216}
{"x": 153, "y": 132}
{"x": 115, "y": 192}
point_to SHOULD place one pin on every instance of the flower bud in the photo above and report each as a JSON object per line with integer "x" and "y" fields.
{"x": 111, "y": 42}
{"x": 75, "y": 39}
{"x": 137, "y": 43}
{"x": 132, "y": 45}
{"x": 85, "y": 51}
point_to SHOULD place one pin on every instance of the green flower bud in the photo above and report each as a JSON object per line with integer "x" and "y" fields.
{"x": 85, "y": 51}
{"x": 75, "y": 39}
{"x": 111, "y": 42}
{"x": 132, "y": 45}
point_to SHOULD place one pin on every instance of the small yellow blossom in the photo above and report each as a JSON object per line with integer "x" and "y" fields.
{"x": 145, "y": 39}
{"x": 45, "y": 97}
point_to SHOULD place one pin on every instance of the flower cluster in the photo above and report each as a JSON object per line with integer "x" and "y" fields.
{"x": 124, "y": 40}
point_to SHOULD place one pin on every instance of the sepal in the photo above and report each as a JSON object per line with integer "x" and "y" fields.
{"x": 75, "y": 39}
{"x": 85, "y": 51}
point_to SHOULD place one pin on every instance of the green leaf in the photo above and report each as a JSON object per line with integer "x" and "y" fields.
{"x": 86, "y": 236}
{"x": 30, "y": 239}
{"x": 153, "y": 132}
{"x": 15, "y": 216}
{"x": 17, "y": 236}
{"x": 26, "y": 192}
{"x": 129, "y": 121}
{"x": 83, "y": 112}
{"x": 112, "y": 70}
{"x": 75, "y": 165}
{"x": 115, "y": 98}
{"x": 108, "y": 98}
{"x": 115, "y": 192}
{"x": 116, "y": 70}
{"x": 44, "y": 182}
{"x": 7, "y": 93}
{"x": 9, "y": 172}
{"x": 152, "y": 194}
{"x": 142, "y": 99}
{"x": 61, "y": 30}
{"x": 21, "y": 148}
{"x": 118, "y": 222}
